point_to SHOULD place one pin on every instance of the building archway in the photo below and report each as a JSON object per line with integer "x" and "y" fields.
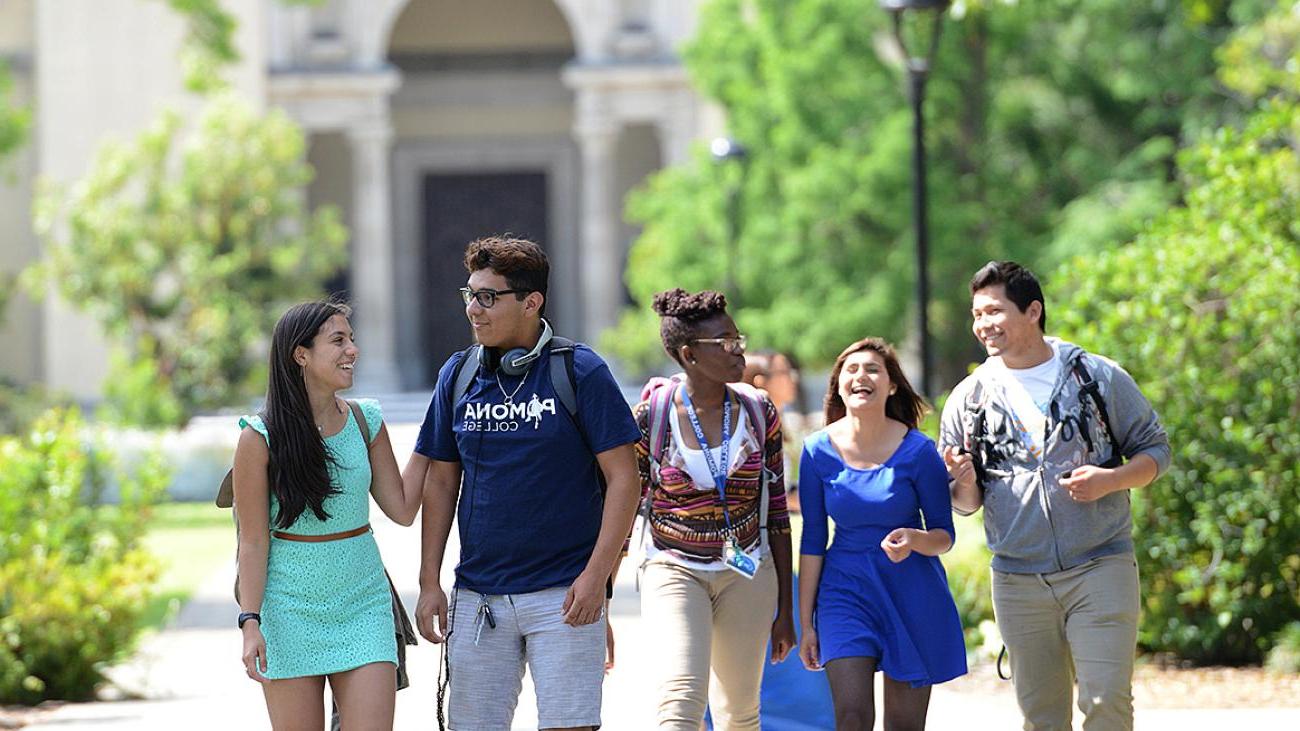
{"x": 482, "y": 145}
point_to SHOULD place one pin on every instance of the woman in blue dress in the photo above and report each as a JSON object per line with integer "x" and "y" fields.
{"x": 878, "y": 599}
{"x": 314, "y": 601}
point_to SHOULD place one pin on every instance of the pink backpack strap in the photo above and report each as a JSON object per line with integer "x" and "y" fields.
{"x": 752, "y": 401}
{"x": 661, "y": 405}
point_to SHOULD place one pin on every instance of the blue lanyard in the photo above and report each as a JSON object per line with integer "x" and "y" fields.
{"x": 719, "y": 475}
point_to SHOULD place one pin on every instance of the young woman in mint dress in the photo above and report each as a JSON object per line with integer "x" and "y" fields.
{"x": 878, "y": 598}
{"x": 315, "y": 603}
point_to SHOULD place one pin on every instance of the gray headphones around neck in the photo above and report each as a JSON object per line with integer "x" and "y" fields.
{"x": 516, "y": 361}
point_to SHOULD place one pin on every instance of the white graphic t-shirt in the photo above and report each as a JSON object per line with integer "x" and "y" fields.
{"x": 1029, "y": 391}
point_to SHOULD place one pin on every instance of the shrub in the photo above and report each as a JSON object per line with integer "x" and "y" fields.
{"x": 967, "y": 565}
{"x": 74, "y": 576}
{"x": 1201, "y": 310}
{"x": 1285, "y": 655}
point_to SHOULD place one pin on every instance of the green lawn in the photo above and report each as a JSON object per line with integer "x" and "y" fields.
{"x": 191, "y": 540}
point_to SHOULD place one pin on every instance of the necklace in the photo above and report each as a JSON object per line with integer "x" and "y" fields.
{"x": 321, "y": 427}
{"x": 510, "y": 397}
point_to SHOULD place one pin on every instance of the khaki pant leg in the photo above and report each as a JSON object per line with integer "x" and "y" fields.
{"x": 1102, "y": 605}
{"x": 677, "y": 603}
{"x": 1032, "y": 624}
{"x": 743, "y": 611}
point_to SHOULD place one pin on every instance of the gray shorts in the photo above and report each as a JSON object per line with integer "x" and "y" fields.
{"x": 487, "y": 663}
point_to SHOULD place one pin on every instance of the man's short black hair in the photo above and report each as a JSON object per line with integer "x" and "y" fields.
{"x": 1020, "y": 284}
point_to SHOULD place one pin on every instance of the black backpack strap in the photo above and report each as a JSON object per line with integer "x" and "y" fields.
{"x": 1089, "y": 387}
{"x": 976, "y": 406}
{"x": 463, "y": 378}
{"x": 563, "y": 378}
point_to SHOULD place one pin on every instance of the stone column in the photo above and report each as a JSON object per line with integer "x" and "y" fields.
{"x": 677, "y": 130}
{"x": 372, "y": 256}
{"x": 602, "y": 260}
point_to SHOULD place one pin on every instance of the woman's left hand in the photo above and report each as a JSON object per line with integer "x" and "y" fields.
{"x": 783, "y": 640}
{"x": 899, "y": 544}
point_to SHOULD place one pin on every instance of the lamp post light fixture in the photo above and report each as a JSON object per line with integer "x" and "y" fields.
{"x": 725, "y": 149}
{"x": 918, "y": 70}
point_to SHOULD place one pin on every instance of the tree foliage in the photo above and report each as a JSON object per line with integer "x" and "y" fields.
{"x": 209, "y": 43}
{"x": 15, "y": 120}
{"x": 1200, "y": 308}
{"x": 1051, "y": 128}
{"x": 185, "y": 250}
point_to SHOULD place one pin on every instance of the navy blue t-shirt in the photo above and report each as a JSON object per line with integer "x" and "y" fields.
{"x": 530, "y": 500}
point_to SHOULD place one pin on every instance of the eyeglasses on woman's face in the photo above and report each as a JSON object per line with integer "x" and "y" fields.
{"x": 486, "y": 298}
{"x": 735, "y": 346}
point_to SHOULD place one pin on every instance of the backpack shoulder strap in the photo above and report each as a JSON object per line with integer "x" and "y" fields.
{"x": 661, "y": 406}
{"x": 1089, "y": 387}
{"x": 752, "y": 401}
{"x": 755, "y": 405}
{"x": 563, "y": 377}
{"x": 463, "y": 378}
{"x": 976, "y": 403}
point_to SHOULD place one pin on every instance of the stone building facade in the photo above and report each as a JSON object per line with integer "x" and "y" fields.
{"x": 430, "y": 122}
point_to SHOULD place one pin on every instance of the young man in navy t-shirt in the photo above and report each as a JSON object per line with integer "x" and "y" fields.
{"x": 539, "y": 534}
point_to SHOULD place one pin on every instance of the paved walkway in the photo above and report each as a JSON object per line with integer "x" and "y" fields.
{"x": 192, "y": 678}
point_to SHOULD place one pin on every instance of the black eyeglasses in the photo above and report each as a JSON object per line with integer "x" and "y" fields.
{"x": 735, "y": 345}
{"x": 487, "y": 297}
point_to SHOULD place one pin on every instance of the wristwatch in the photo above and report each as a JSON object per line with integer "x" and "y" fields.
{"x": 245, "y": 616}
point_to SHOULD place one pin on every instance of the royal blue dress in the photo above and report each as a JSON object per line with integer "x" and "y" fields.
{"x": 867, "y": 606}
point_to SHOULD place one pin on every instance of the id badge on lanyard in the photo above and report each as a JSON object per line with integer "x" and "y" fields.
{"x": 732, "y": 557}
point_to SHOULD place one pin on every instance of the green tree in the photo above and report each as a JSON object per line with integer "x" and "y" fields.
{"x": 209, "y": 44}
{"x": 1032, "y": 107}
{"x": 15, "y": 120}
{"x": 1200, "y": 309}
{"x": 185, "y": 250}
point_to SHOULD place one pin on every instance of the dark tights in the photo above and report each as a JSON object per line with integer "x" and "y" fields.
{"x": 853, "y": 690}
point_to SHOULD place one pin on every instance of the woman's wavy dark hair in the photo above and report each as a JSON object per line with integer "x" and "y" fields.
{"x": 904, "y": 405}
{"x": 298, "y": 471}
{"x": 681, "y": 313}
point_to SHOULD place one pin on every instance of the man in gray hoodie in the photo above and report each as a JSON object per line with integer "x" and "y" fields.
{"x": 1049, "y": 440}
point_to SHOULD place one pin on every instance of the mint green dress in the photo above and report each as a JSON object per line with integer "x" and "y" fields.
{"x": 327, "y": 607}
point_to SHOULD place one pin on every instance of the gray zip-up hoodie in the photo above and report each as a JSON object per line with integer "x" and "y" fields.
{"x": 1031, "y": 522}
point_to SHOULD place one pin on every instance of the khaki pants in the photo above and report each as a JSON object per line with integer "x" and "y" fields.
{"x": 1078, "y": 623}
{"x": 702, "y": 621}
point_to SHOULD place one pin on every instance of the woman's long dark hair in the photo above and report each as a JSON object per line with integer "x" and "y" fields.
{"x": 904, "y": 405}
{"x": 299, "y": 466}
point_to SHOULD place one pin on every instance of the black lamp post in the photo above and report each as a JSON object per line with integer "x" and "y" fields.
{"x": 918, "y": 70}
{"x": 725, "y": 149}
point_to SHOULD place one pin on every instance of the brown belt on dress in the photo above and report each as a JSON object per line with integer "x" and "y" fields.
{"x": 321, "y": 538}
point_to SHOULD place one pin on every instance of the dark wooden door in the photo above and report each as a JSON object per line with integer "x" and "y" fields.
{"x": 458, "y": 209}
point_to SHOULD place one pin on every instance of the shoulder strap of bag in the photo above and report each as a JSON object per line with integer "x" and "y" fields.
{"x": 661, "y": 410}
{"x": 660, "y": 405}
{"x": 361, "y": 422}
{"x": 755, "y": 408}
{"x": 975, "y": 403}
{"x": 1089, "y": 387}
{"x": 464, "y": 375}
{"x": 563, "y": 377}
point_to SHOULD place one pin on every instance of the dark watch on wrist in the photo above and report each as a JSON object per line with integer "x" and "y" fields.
{"x": 245, "y": 616}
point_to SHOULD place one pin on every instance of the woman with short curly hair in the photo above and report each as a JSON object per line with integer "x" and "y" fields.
{"x": 717, "y": 579}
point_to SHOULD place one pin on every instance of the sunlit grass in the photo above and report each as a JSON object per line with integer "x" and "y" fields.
{"x": 191, "y": 540}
